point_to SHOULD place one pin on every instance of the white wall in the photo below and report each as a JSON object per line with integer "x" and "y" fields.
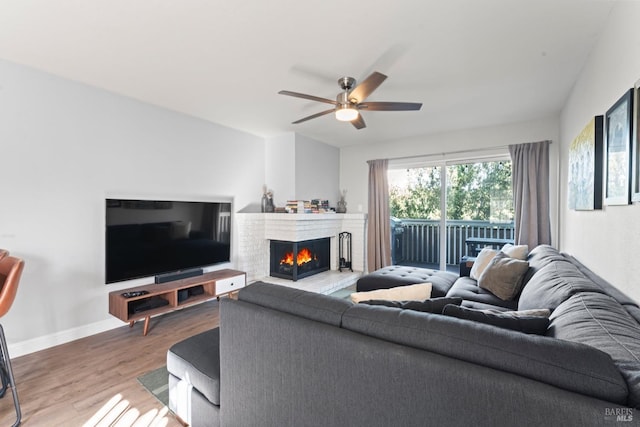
{"x": 280, "y": 168}
{"x": 317, "y": 170}
{"x": 607, "y": 240}
{"x": 354, "y": 171}
{"x": 64, "y": 148}
{"x": 301, "y": 168}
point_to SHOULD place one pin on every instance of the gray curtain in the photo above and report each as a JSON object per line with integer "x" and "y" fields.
{"x": 530, "y": 182}
{"x": 379, "y": 228}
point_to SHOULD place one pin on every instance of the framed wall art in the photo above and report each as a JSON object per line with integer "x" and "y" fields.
{"x": 635, "y": 151}
{"x": 618, "y": 132}
{"x": 585, "y": 167}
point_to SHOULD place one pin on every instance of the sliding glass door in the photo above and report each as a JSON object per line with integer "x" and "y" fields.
{"x": 443, "y": 211}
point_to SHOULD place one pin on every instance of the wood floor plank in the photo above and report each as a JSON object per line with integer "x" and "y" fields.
{"x": 68, "y": 384}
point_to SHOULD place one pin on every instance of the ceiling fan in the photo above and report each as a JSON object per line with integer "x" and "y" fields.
{"x": 352, "y": 99}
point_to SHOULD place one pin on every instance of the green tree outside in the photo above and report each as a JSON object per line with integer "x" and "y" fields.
{"x": 475, "y": 191}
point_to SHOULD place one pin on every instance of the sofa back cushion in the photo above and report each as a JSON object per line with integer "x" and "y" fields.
{"x": 568, "y": 365}
{"x": 318, "y": 307}
{"x": 552, "y": 284}
{"x": 600, "y": 321}
{"x": 539, "y": 257}
{"x": 606, "y": 287}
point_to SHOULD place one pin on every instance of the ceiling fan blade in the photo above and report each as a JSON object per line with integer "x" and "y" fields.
{"x": 309, "y": 97}
{"x": 390, "y": 106}
{"x": 358, "y": 122}
{"x": 313, "y": 116}
{"x": 367, "y": 86}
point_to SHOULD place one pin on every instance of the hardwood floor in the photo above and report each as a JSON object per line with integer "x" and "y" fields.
{"x": 68, "y": 384}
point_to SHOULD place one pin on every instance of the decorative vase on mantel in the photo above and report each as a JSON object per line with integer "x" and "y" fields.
{"x": 270, "y": 207}
{"x": 342, "y": 204}
{"x": 267, "y": 200}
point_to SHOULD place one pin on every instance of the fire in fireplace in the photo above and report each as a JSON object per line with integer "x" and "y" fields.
{"x": 295, "y": 260}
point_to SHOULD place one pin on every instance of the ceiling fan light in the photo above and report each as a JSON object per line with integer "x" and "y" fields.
{"x": 346, "y": 113}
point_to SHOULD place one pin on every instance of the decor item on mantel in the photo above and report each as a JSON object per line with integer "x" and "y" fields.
{"x": 585, "y": 168}
{"x": 618, "y": 151}
{"x": 267, "y": 200}
{"x": 342, "y": 204}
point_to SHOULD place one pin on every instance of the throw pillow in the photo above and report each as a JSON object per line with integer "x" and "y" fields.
{"x": 517, "y": 252}
{"x": 539, "y": 312}
{"x": 417, "y": 292}
{"x": 503, "y": 276}
{"x": 527, "y": 324}
{"x": 433, "y": 305}
{"x": 482, "y": 260}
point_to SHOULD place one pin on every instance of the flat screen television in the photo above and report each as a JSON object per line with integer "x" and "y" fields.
{"x": 151, "y": 237}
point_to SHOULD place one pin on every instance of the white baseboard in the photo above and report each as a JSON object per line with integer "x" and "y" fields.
{"x": 46, "y": 341}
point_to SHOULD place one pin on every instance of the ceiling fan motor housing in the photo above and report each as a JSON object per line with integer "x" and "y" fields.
{"x": 347, "y": 83}
{"x": 343, "y": 99}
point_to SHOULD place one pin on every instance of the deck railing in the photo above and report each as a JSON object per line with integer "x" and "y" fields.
{"x": 417, "y": 241}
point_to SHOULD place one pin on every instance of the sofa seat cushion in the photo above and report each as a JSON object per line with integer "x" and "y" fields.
{"x": 468, "y": 289}
{"x": 600, "y": 321}
{"x": 398, "y": 275}
{"x": 197, "y": 360}
{"x": 567, "y": 365}
{"x": 553, "y": 284}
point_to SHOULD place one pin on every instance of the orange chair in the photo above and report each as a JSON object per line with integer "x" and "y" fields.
{"x": 10, "y": 272}
{"x": 3, "y": 253}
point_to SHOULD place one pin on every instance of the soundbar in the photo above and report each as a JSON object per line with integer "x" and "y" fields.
{"x": 177, "y": 275}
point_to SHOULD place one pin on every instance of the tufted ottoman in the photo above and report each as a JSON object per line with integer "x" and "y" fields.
{"x": 399, "y": 275}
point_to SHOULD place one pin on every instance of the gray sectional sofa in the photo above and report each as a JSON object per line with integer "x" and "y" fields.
{"x": 286, "y": 357}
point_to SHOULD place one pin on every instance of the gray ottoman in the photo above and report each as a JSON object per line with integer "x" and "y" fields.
{"x": 194, "y": 379}
{"x": 399, "y": 275}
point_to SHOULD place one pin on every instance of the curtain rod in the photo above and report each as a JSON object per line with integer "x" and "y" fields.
{"x": 443, "y": 153}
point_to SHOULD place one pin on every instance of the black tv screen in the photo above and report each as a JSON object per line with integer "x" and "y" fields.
{"x": 150, "y": 237}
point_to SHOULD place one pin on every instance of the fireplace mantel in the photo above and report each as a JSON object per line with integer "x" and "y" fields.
{"x": 299, "y": 227}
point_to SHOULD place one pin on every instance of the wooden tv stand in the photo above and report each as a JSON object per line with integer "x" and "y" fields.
{"x": 173, "y": 295}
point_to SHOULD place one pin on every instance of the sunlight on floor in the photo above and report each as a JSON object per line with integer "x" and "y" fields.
{"x": 118, "y": 413}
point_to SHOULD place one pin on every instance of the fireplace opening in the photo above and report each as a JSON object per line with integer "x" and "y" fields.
{"x": 295, "y": 260}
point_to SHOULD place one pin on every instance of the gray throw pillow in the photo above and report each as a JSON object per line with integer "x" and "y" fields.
{"x": 503, "y": 276}
{"x": 527, "y": 324}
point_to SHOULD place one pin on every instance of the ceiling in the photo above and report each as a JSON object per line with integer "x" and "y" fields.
{"x": 472, "y": 63}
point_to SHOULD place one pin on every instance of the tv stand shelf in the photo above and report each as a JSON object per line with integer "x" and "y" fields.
{"x": 173, "y": 295}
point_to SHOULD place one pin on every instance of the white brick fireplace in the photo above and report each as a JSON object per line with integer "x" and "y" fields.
{"x": 255, "y": 230}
